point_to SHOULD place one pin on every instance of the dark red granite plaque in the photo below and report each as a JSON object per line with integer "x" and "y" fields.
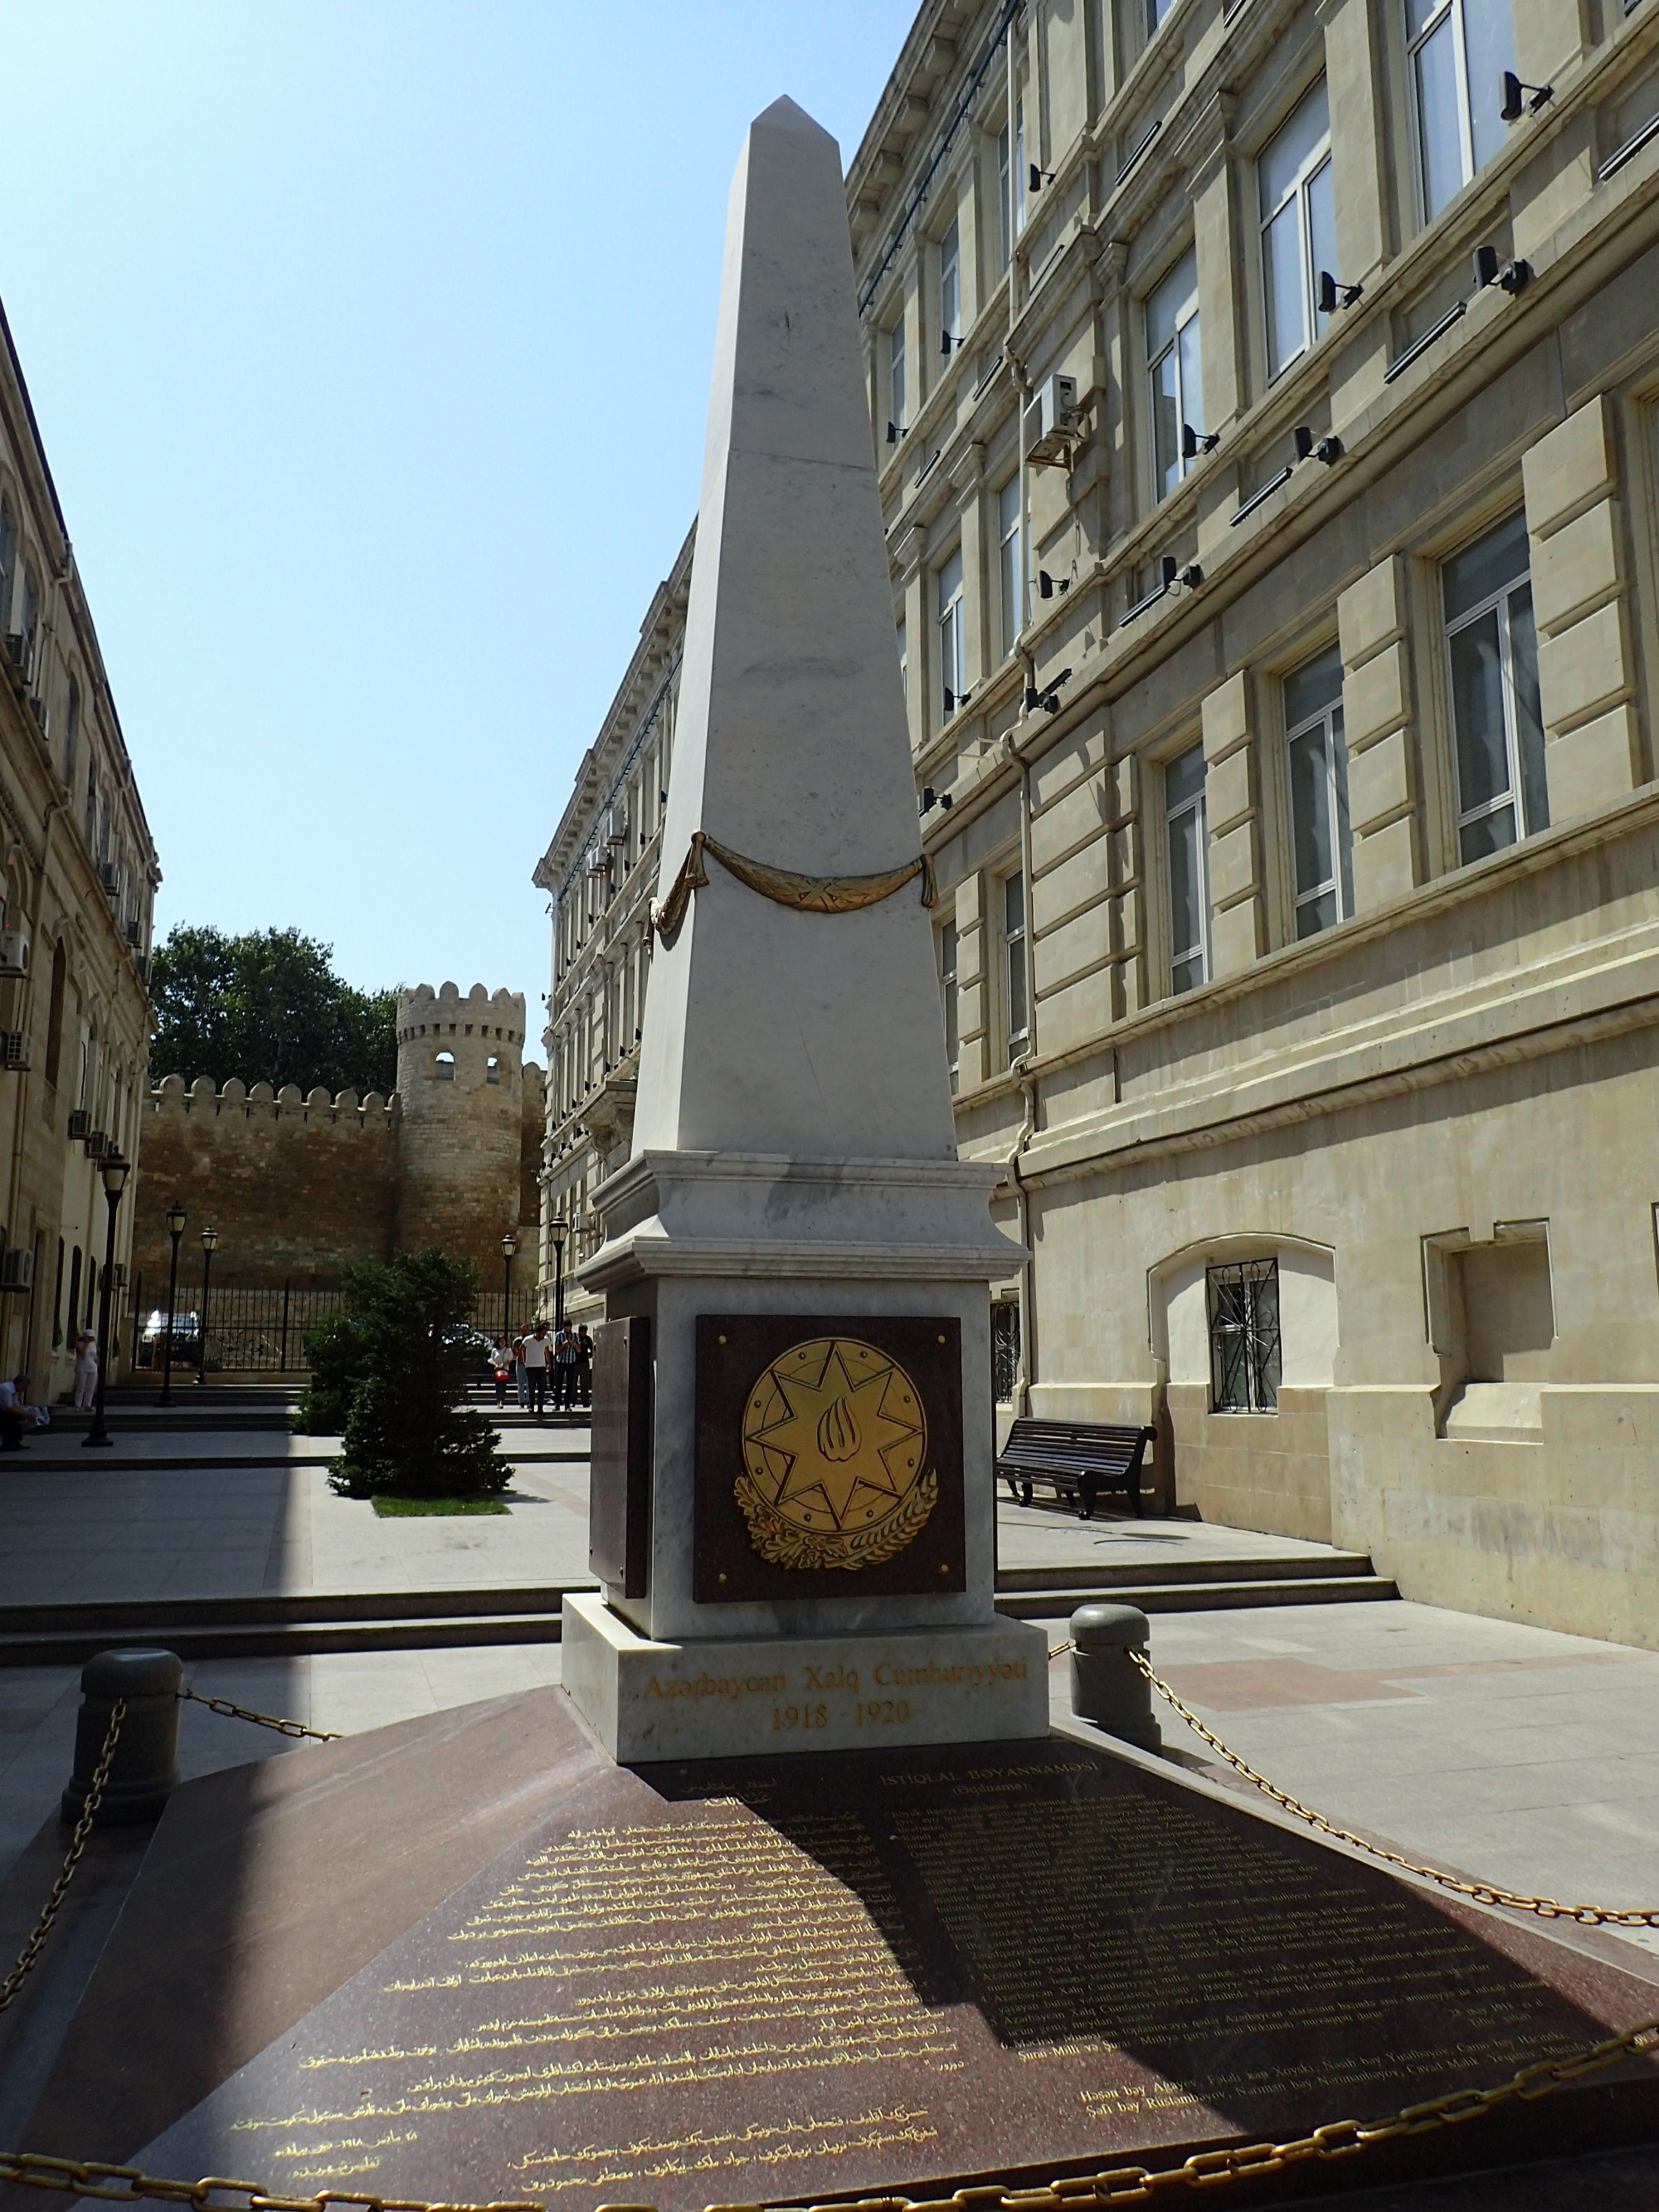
{"x": 809, "y": 1976}
{"x": 829, "y": 1457}
{"x": 619, "y": 1486}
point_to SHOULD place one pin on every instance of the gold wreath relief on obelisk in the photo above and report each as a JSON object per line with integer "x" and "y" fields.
{"x": 835, "y": 1444}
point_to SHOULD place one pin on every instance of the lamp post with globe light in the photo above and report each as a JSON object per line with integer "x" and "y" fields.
{"x": 510, "y": 1246}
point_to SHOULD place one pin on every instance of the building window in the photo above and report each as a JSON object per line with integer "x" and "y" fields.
{"x": 1244, "y": 1350}
{"x": 1156, "y": 11}
{"x": 8, "y": 560}
{"x": 443, "y": 1067}
{"x": 1189, "y": 870}
{"x": 1173, "y": 374}
{"x": 1016, "y": 997}
{"x": 1005, "y": 1349}
{"x": 898, "y": 398}
{"x": 1459, "y": 51}
{"x": 1298, "y": 227}
{"x": 71, "y": 731}
{"x": 1005, "y": 200}
{"x": 1009, "y": 574}
{"x": 492, "y": 1070}
{"x": 903, "y": 656}
{"x": 1322, "y": 841}
{"x": 1020, "y": 180}
{"x": 55, "y": 1012}
{"x": 947, "y": 984}
{"x": 28, "y": 621}
{"x": 952, "y": 638}
{"x": 949, "y": 289}
{"x": 1491, "y": 654}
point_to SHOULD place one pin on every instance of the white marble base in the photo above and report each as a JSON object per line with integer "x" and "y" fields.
{"x": 749, "y": 1697}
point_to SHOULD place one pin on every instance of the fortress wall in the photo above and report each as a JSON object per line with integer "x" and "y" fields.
{"x": 295, "y": 1185}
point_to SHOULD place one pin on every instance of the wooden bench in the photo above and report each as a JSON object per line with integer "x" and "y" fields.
{"x": 1077, "y": 1459}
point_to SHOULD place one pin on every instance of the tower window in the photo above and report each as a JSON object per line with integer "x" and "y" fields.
{"x": 443, "y": 1067}
{"x": 492, "y": 1070}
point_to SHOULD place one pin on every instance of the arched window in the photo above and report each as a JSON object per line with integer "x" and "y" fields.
{"x": 55, "y": 1012}
{"x": 492, "y": 1070}
{"x": 443, "y": 1067}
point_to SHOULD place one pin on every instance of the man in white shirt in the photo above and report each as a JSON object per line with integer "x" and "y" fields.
{"x": 537, "y": 1351}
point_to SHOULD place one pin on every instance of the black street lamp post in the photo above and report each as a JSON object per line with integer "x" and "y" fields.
{"x": 556, "y": 1228}
{"x": 175, "y": 1229}
{"x": 510, "y": 1246}
{"x": 114, "y": 1171}
{"x": 210, "y": 1238}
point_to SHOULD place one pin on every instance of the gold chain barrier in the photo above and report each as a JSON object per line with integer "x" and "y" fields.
{"x": 1547, "y": 1908}
{"x": 260, "y": 1720}
{"x": 1118, "y": 2185}
{"x": 31, "y": 1951}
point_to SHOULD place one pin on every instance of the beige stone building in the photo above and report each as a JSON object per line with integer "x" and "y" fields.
{"x": 600, "y": 875}
{"x": 77, "y": 879}
{"x": 1269, "y": 395}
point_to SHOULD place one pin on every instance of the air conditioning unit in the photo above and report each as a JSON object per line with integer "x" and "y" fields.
{"x": 109, "y": 875}
{"x": 134, "y": 931}
{"x": 17, "y": 647}
{"x": 18, "y": 1269}
{"x": 615, "y": 827}
{"x": 97, "y": 1143}
{"x": 13, "y": 952}
{"x": 1051, "y": 423}
{"x": 117, "y": 1276}
{"x": 80, "y": 1122}
{"x": 14, "y": 1049}
{"x": 599, "y": 862}
{"x": 38, "y": 709}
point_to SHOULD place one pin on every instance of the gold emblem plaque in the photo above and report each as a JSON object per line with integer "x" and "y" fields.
{"x": 835, "y": 1470}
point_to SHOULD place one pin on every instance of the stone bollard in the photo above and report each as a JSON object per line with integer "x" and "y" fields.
{"x": 1106, "y": 1688}
{"x": 145, "y": 1767}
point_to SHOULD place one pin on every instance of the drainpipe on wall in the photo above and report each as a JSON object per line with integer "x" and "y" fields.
{"x": 1026, "y": 1366}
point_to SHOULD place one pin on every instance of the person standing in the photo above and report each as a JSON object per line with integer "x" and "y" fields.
{"x": 520, "y": 1372}
{"x": 584, "y": 1366}
{"x": 86, "y": 1370}
{"x": 501, "y": 1364}
{"x": 537, "y": 1359}
{"x": 564, "y": 1367}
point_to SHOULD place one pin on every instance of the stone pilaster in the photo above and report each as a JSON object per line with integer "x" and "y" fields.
{"x": 1126, "y": 876}
{"x": 973, "y": 983}
{"x": 1231, "y": 806}
{"x": 1359, "y": 102}
{"x": 1373, "y": 623}
{"x": 1586, "y": 668}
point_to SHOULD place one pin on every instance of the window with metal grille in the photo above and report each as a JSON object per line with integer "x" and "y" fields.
{"x": 1004, "y": 1348}
{"x": 1244, "y": 1349}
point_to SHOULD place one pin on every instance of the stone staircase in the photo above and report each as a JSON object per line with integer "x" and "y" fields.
{"x": 261, "y": 1627}
{"x": 1189, "y": 1586}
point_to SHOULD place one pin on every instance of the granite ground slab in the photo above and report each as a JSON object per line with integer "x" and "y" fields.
{"x": 798, "y": 1977}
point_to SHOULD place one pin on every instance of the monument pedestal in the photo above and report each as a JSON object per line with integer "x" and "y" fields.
{"x": 745, "y": 1696}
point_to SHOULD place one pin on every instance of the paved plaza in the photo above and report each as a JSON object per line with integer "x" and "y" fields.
{"x": 1522, "y": 1756}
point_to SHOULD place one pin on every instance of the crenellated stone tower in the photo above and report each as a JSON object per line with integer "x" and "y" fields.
{"x": 461, "y": 1087}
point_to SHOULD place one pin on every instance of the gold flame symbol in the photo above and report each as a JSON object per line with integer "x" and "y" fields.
{"x": 838, "y": 1432}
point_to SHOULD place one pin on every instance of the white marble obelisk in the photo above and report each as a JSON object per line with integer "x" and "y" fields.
{"x": 793, "y": 1146}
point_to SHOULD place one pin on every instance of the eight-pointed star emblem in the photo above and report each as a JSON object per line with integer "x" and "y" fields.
{"x": 852, "y": 1433}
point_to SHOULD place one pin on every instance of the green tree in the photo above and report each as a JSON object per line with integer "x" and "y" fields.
{"x": 268, "y": 1006}
{"x": 407, "y": 1431}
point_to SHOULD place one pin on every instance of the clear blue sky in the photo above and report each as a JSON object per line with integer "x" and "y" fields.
{"x": 369, "y": 341}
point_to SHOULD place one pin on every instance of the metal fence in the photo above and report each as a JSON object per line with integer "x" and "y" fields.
{"x": 262, "y": 1327}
